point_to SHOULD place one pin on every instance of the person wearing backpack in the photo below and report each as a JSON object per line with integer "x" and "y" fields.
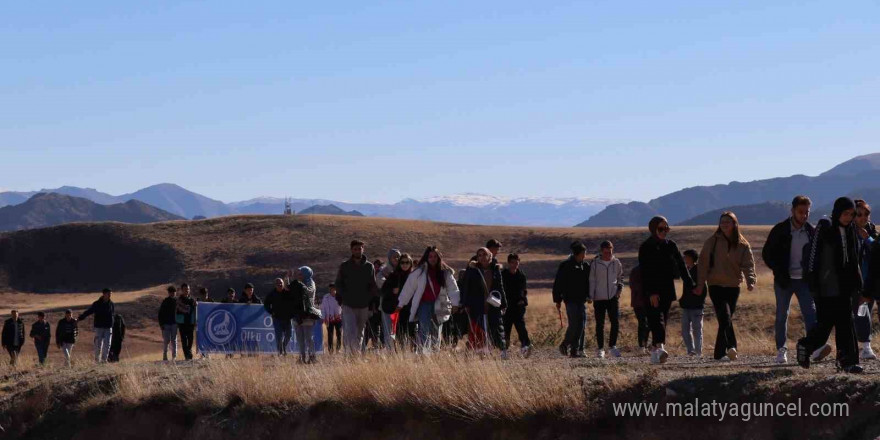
{"x": 725, "y": 258}
{"x": 834, "y": 275}
{"x": 433, "y": 293}
{"x": 863, "y": 306}
{"x": 606, "y": 283}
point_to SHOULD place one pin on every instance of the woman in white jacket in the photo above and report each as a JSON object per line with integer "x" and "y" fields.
{"x": 606, "y": 283}
{"x": 433, "y": 292}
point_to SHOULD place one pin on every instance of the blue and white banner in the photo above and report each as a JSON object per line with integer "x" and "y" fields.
{"x": 242, "y": 328}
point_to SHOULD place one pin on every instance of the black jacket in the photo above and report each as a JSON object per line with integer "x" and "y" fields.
{"x": 356, "y": 283}
{"x": 8, "y": 336}
{"x": 66, "y": 332}
{"x": 572, "y": 282}
{"x": 777, "y": 251}
{"x": 515, "y": 287}
{"x": 473, "y": 290}
{"x": 103, "y": 311}
{"x": 832, "y": 273}
{"x": 118, "y": 332}
{"x": 281, "y": 305}
{"x": 661, "y": 263}
{"x": 42, "y": 330}
{"x": 167, "y": 311}
{"x": 872, "y": 280}
{"x": 690, "y": 301}
{"x": 394, "y": 281}
{"x": 254, "y": 299}
{"x": 304, "y": 302}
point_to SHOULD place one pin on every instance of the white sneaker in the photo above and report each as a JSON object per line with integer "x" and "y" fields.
{"x": 821, "y": 353}
{"x": 867, "y": 353}
{"x": 731, "y": 353}
{"x": 615, "y": 352}
{"x": 526, "y": 351}
{"x": 600, "y": 354}
{"x": 504, "y": 355}
{"x": 662, "y": 355}
{"x": 782, "y": 356}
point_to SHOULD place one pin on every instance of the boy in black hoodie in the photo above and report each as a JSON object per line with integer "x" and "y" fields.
{"x": 515, "y": 286}
{"x": 835, "y": 279}
{"x": 692, "y": 308}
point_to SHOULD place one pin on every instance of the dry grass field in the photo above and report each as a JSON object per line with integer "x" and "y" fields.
{"x": 452, "y": 394}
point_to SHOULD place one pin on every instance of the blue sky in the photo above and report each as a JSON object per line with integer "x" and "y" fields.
{"x": 378, "y": 101}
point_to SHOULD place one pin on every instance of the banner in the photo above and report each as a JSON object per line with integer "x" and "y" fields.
{"x": 243, "y": 328}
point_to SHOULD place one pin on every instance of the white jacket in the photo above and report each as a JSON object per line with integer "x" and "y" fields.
{"x": 606, "y": 278}
{"x": 415, "y": 286}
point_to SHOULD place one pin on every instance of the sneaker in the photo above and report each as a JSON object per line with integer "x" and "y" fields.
{"x": 504, "y": 355}
{"x": 600, "y": 354}
{"x": 615, "y": 352}
{"x": 782, "y": 356}
{"x": 563, "y": 349}
{"x": 853, "y": 369}
{"x": 867, "y": 353}
{"x": 663, "y": 355}
{"x": 577, "y": 355}
{"x": 731, "y": 353}
{"x": 312, "y": 358}
{"x": 526, "y": 351}
{"x": 692, "y": 353}
{"x": 821, "y": 353}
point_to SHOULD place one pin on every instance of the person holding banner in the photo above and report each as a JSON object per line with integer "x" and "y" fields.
{"x": 305, "y": 313}
{"x": 185, "y": 317}
{"x": 281, "y": 304}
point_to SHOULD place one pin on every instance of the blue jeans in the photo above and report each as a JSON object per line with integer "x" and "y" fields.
{"x": 283, "y": 332}
{"x": 103, "y": 336}
{"x": 305, "y": 339}
{"x": 429, "y": 328}
{"x": 42, "y": 351}
{"x": 783, "y": 302}
{"x": 577, "y": 323}
{"x": 692, "y": 330}
{"x": 386, "y": 331}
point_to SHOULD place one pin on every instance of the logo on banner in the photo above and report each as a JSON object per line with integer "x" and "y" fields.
{"x": 220, "y": 327}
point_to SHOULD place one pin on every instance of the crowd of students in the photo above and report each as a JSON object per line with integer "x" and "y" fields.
{"x": 422, "y": 305}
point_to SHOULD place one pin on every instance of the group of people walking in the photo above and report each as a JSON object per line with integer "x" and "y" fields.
{"x": 833, "y": 269}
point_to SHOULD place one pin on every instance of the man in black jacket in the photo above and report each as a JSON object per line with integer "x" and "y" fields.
{"x": 65, "y": 335}
{"x": 104, "y": 310}
{"x": 42, "y": 334}
{"x": 281, "y": 303}
{"x": 782, "y": 253}
{"x": 515, "y": 287}
{"x": 355, "y": 288}
{"x": 168, "y": 324}
{"x": 13, "y": 336}
{"x": 572, "y": 286}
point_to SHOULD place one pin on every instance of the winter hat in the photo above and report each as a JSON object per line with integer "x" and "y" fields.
{"x": 840, "y": 205}
{"x": 307, "y": 274}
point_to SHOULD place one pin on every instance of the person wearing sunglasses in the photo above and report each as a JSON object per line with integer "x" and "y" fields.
{"x": 660, "y": 260}
{"x": 405, "y": 332}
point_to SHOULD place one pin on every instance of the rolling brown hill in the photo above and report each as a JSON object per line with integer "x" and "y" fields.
{"x": 230, "y": 251}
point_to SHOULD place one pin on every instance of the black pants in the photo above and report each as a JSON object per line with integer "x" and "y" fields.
{"x": 836, "y": 313}
{"x": 334, "y": 328}
{"x": 405, "y": 333}
{"x": 515, "y": 317}
{"x": 13, "y": 354}
{"x": 115, "y": 350}
{"x": 373, "y": 332}
{"x": 455, "y": 329}
{"x": 724, "y": 300}
{"x": 657, "y": 317}
{"x": 186, "y": 339}
{"x": 643, "y": 329}
{"x": 611, "y": 307}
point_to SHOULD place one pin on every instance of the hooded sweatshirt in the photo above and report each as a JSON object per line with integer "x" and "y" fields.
{"x": 833, "y": 261}
{"x": 606, "y": 279}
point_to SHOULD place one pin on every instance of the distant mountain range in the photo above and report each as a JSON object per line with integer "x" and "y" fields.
{"x": 329, "y": 210}
{"x": 767, "y": 213}
{"x": 846, "y": 178}
{"x": 462, "y": 208}
{"x": 50, "y": 209}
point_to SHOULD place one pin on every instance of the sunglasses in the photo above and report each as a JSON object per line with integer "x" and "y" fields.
{"x": 406, "y": 263}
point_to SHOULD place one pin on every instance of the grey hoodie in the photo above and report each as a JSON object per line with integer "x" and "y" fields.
{"x": 606, "y": 279}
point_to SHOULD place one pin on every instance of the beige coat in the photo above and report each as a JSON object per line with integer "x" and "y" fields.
{"x": 730, "y": 264}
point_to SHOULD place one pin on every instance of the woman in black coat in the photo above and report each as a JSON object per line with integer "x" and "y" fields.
{"x": 660, "y": 262}
{"x": 405, "y": 333}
